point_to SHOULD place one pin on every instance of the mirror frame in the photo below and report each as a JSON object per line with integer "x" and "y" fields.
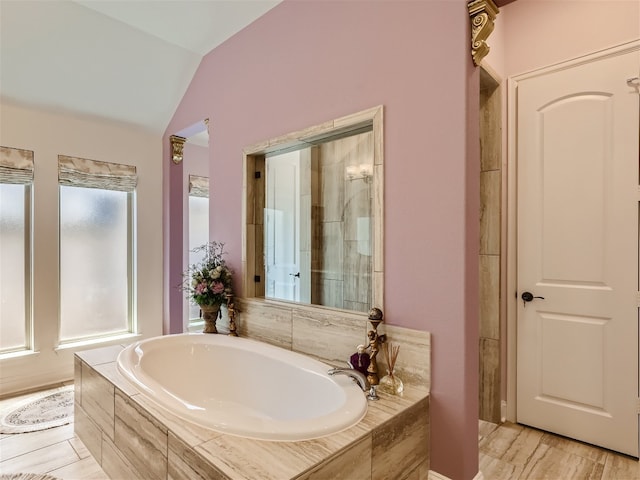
{"x": 253, "y": 198}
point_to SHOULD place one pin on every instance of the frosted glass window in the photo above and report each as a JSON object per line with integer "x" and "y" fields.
{"x": 198, "y": 235}
{"x": 95, "y": 262}
{"x": 14, "y": 266}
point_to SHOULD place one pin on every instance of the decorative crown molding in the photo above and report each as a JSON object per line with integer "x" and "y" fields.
{"x": 482, "y": 13}
{"x": 177, "y": 146}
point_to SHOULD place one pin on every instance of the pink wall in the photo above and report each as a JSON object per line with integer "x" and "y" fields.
{"x": 543, "y": 32}
{"x": 306, "y": 62}
{"x": 173, "y": 240}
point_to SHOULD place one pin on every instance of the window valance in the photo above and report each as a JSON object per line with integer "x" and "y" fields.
{"x": 82, "y": 172}
{"x": 16, "y": 166}
{"x": 198, "y": 186}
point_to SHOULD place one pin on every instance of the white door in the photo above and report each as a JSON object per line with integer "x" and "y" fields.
{"x": 577, "y": 170}
{"x": 282, "y": 227}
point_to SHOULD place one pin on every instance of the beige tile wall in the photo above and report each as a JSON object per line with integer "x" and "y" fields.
{"x": 333, "y": 335}
{"x": 341, "y": 275}
{"x": 490, "y": 248}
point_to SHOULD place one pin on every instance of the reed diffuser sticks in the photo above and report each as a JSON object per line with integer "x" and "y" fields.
{"x": 391, "y": 383}
{"x": 391, "y": 355}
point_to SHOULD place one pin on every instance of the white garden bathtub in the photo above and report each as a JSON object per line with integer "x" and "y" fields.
{"x": 242, "y": 387}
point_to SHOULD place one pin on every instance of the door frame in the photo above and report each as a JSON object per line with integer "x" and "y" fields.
{"x": 511, "y": 269}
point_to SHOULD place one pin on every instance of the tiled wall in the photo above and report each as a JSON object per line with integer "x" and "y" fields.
{"x": 341, "y": 274}
{"x": 133, "y": 438}
{"x": 333, "y": 335}
{"x": 490, "y": 231}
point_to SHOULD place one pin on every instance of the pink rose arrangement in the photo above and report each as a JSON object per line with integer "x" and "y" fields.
{"x": 209, "y": 282}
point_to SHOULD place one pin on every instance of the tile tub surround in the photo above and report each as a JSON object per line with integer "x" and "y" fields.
{"x": 131, "y": 437}
{"x": 333, "y": 335}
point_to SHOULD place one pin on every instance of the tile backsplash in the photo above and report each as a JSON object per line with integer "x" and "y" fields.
{"x": 333, "y": 335}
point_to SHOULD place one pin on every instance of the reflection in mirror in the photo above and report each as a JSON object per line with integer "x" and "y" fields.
{"x": 317, "y": 228}
{"x": 198, "y": 218}
{"x": 314, "y": 217}
{"x": 196, "y": 207}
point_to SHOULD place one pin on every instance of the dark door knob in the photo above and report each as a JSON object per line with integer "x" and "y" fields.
{"x": 297, "y": 275}
{"x": 528, "y": 296}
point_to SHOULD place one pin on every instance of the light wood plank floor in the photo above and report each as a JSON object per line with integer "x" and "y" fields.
{"x": 507, "y": 452}
{"x": 56, "y": 451}
{"x": 516, "y": 452}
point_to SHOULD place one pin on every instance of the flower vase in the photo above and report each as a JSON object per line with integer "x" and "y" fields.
{"x": 210, "y": 315}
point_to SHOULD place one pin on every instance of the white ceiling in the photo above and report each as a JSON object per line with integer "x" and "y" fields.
{"x": 126, "y": 60}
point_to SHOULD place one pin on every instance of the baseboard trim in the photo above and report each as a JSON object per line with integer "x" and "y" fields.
{"x": 438, "y": 476}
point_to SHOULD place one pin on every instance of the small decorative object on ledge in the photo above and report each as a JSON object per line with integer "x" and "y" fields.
{"x": 375, "y": 317}
{"x": 360, "y": 360}
{"x": 208, "y": 283}
{"x": 391, "y": 383}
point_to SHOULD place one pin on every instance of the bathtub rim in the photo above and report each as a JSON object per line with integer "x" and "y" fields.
{"x": 278, "y": 431}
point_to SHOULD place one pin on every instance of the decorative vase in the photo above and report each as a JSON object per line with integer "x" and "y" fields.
{"x": 391, "y": 384}
{"x": 210, "y": 315}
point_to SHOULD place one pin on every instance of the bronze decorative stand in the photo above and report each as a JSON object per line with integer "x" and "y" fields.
{"x": 231, "y": 309}
{"x": 375, "y": 317}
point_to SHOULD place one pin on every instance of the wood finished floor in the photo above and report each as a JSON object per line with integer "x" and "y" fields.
{"x": 516, "y": 452}
{"x": 507, "y": 452}
{"x": 56, "y": 451}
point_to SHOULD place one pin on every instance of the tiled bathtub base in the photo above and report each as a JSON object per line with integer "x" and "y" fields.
{"x": 133, "y": 438}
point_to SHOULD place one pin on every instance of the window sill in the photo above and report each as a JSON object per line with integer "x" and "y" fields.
{"x": 196, "y": 326}
{"x": 102, "y": 342}
{"x": 18, "y": 354}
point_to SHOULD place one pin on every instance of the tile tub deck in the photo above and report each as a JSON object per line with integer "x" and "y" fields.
{"x": 132, "y": 437}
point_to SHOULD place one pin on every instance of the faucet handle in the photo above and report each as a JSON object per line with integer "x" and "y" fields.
{"x": 373, "y": 394}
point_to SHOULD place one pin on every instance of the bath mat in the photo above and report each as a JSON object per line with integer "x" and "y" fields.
{"x": 51, "y": 409}
{"x": 26, "y": 476}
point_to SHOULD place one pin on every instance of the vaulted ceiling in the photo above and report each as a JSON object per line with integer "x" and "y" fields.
{"x": 128, "y": 61}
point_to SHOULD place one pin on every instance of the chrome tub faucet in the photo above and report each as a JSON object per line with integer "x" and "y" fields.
{"x": 360, "y": 378}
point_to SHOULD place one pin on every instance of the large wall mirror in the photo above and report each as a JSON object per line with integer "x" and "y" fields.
{"x": 313, "y": 215}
